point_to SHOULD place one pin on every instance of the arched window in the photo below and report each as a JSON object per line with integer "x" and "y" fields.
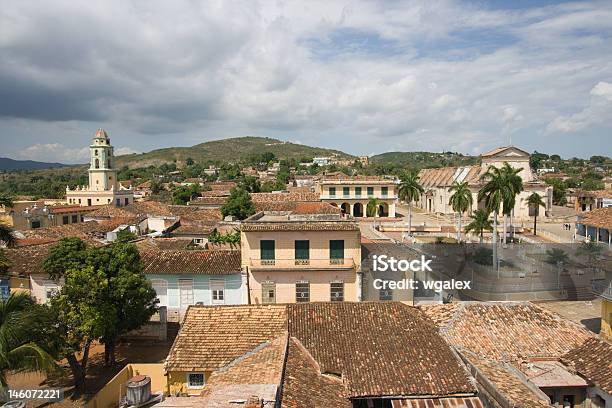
{"x": 161, "y": 289}
{"x": 97, "y": 165}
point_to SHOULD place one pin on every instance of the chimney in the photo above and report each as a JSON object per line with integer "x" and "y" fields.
{"x": 254, "y": 402}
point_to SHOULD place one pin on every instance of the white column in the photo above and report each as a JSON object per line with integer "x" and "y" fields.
{"x": 392, "y": 209}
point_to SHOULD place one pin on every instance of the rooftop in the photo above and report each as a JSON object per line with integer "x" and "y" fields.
{"x": 600, "y": 218}
{"x": 205, "y": 262}
{"x": 290, "y": 221}
{"x": 592, "y": 360}
{"x": 294, "y": 196}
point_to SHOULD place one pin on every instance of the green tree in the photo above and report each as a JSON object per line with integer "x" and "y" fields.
{"x": 460, "y": 201}
{"x": 7, "y": 236}
{"x": 479, "y": 224}
{"x": 181, "y": 195}
{"x": 409, "y": 190}
{"x": 535, "y": 202}
{"x": 554, "y": 256}
{"x": 493, "y": 193}
{"x": 251, "y": 184}
{"x": 372, "y": 207}
{"x": 18, "y": 351}
{"x": 513, "y": 186}
{"x": 239, "y": 204}
{"x": 156, "y": 187}
{"x": 5, "y": 263}
{"x": 189, "y": 161}
{"x": 125, "y": 236}
{"x": 6, "y": 200}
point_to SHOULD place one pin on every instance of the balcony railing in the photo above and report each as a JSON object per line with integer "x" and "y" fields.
{"x": 358, "y": 197}
{"x": 292, "y": 263}
{"x": 603, "y": 288}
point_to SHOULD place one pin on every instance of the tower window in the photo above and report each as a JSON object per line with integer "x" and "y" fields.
{"x": 97, "y": 164}
{"x": 95, "y": 152}
{"x": 108, "y": 165}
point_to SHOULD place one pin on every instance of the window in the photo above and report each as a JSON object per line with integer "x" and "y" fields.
{"x": 268, "y": 293}
{"x": 217, "y": 287}
{"x": 65, "y": 219}
{"x": 332, "y": 191}
{"x": 385, "y": 294}
{"x": 35, "y": 224}
{"x": 336, "y": 291}
{"x": 97, "y": 165}
{"x": 357, "y": 191}
{"x": 346, "y": 191}
{"x": 266, "y": 248}
{"x": 302, "y": 252}
{"x": 336, "y": 251}
{"x": 75, "y": 218}
{"x": 195, "y": 380}
{"x": 51, "y": 289}
{"x": 370, "y": 191}
{"x": 384, "y": 191}
{"x": 95, "y": 152}
{"x": 160, "y": 286}
{"x": 127, "y": 201}
{"x": 302, "y": 292}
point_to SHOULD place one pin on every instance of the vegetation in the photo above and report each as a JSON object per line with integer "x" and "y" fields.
{"x": 555, "y": 256}
{"x": 479, "y": 224}
{"x": 460, "y": 201}
{"x": 535, "y": 202}
{"x": 181, "y": 195}
{"x": 231, "y": 238}
{"x": 239, "y": 204}
{"x": 514, "y": 185}
{"x": 409, "y": 190}
{"x": 372, "y": 207}
{"x": 6, "y": 200}
{"x": 21, "y": 350}
{"x": 7, "y": 236}
{"x": 105, "y": 295}
{"x": 420, "y": 160}
{"x": 493, "y": 193}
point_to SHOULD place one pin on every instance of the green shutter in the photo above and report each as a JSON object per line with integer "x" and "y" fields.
{"x": 336, "y": 249}
{"x": 346, "y": 191}
{"x": 302, "y": 249}
{"x": 370, "y": 191}
{"x": 267, "y": 249}
{"x": 385, "y": 191}
{"x": 332, "y": 191}
{"x": 358, "y": 191}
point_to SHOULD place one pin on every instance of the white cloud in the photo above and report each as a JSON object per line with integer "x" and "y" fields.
{"x": 56, "y": 152}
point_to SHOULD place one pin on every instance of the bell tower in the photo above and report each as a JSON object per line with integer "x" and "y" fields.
{"x": 102, "y": 175}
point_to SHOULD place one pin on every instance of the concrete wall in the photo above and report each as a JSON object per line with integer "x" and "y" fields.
{"x": 115, "y": 389}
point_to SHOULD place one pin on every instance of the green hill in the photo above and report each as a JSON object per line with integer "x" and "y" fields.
{"x": 419, "y": 160}
{"x": 227, "y": 150}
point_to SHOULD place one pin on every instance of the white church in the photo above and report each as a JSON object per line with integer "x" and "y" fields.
{"x": 104, "y": 188}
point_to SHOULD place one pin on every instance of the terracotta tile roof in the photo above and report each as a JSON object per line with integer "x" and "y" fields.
{"x": 305, "y": 386}
{"x": 445, "y": 176}
{"x": 600, "y": 217}
{"x": 89, "y": 231}
{"x": 209, "y": 200}
{"x": 28, "y": 260}
{"x": 262, "y": 365}
{"x": 191, "y": 213}
{"x": 289, "y": 197}
{"x": 502, "y": 381}
{"x": 397, "y": 352}
{"x": 300, "y": 226}
{"x": 507, "y": 331}
{"x": 63, "y": 209}
{"x": 215, "y": 193}
{"x": 194, "y": 228}
{"x": 204, "y": 262}
{"x": 593, "y": 361}
{"x": 164, "y": 244}
{"x": 110, "y": 211}
{"x": 501, "y": 149}
{"x": 211, "y": 337}
{"x": 298, "y": 207}
{"x": 595, "y": 193}
{"x": 465, "y": 402}
{"x": 151, "y": 208}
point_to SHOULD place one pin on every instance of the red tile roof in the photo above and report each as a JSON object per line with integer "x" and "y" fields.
{"x": 288, "y": 197}
{"x": 593, "y": 361}
{"x": 203, "y": 262}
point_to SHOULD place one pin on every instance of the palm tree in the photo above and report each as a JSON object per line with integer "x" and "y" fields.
{"x": 555, "y": 256}
{"x": 535, "y": 201}
{"x": 7, "y": 235}
{"x": 479, "y": 224}
{"x": 493, "y": 192}
{"x": 514, "y": 185}
{"x": 17, "y": 351}
{"x": 460, "y": 201}
{"x": 372, "y": 207}
{"x": 409, "y": 190}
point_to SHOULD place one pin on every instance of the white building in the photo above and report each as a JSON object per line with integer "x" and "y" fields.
{"x": 103, "y": 184}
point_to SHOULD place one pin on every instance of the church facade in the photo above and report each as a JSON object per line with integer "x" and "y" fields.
{"x": 437, "y": 183}
{"x": 103, "y": 186}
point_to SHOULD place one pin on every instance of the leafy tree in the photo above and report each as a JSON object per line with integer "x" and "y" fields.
{"x": 251, "y": 184}
{"x": 239, "y": 204}
{"x": 591, "y": 184}
{"x": 479, "y": 224}
{"x": 559, "y": 190}
{"x": 460, "y": 201}
{"x": 156, "y": 187}
{"x": 68, "y": 253}
{"x": 535, "y": 202}
{"x": 598, "y": 159}
{"x": 181, "y": 195}
{"x": 231, "y": 238}
{"x": 19, "y": 319}
{"x": 7, "y": 236}
{"x": 409, "y": 190}
{"x": 125, "y": 236}
{"x": 555, "y": 256}
{"x": 6, "y": 200}
{"x": 372, "y": 207}
{"x": 5, "y": 263}
{"x": 189, "y": 161}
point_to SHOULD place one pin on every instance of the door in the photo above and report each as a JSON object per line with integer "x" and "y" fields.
{"x": 185, "y": 293}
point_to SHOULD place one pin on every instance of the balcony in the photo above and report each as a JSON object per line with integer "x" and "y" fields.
{"x": 603, "y": 288}
{"x": 362, "y": 197}
{"x": 302, "y": 264}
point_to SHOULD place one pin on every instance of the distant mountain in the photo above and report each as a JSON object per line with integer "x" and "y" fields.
{"x": 227, "y": 150}
{"x": 10, "y": 164}
{"x": 419, "y": 160}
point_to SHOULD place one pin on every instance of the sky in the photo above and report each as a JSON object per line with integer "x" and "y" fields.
{"x": 364, "y": 77}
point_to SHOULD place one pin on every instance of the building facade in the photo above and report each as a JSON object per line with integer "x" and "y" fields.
{"x": 301, "y": 258}
{"x": 352, "y": 194}
{"x": 103, "y": 184}
{"x": 437, "y": 182}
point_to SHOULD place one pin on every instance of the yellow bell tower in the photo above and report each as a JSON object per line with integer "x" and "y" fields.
{"x": 102, "y": 175}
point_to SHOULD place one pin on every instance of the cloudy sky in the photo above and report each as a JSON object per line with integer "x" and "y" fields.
{"x": 361, "y": 76}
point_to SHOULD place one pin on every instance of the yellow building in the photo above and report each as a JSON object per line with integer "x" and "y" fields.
{"x": 302, "y": 255}
{"x": 603, "y": 289}
{"x": 103, "y": 184}
{"x": 351, "y": 194}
